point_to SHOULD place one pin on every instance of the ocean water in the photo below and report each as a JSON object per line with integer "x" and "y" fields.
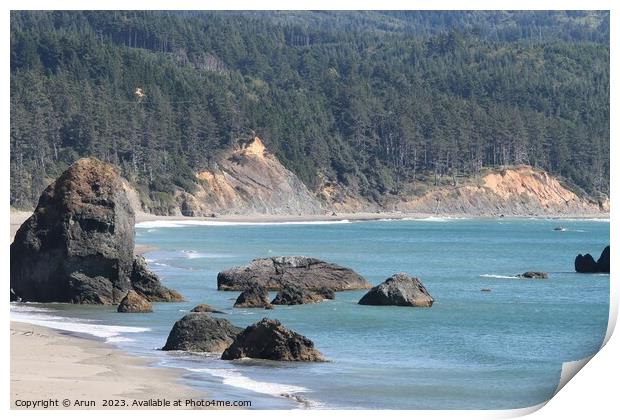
{"x": 472, "y": 350}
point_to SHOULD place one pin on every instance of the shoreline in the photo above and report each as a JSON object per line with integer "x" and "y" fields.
{"x": 59, "y": 366}
{"x": 18, "y": 217}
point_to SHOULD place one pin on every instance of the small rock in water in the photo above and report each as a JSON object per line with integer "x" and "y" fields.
{"x": 399, "y": 290}
{"x": 485, "y": 290}
{"x": 269, "y": 339}
{"x": 255, "y": 296}
{"x": 559, "y": 228}
{"x": 199, "y": 332}
{"x": 533, "y": 275}
{"x": 203, "y": 307}
{"x": 134, "y": 302}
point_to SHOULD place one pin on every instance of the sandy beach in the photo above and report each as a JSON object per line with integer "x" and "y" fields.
{"x": 58, "y": 366}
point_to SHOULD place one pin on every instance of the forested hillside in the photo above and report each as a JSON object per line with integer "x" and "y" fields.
{"x": 369, "y": 101}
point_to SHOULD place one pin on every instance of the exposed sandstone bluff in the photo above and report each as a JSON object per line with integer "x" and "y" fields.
{"x": 399, "y": 290}
{"x": 249, "y": 180}
{"x": 199, "y": 332}
{"x": 308, "y": 273}
{"x": 586, "y": 263}
{"x": 269, "y": 339}
{"x": 78, "y": 245}
{"x": 516, "y": 191}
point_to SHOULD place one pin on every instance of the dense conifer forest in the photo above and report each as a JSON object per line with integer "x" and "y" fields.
{"x": 369, "y": 100}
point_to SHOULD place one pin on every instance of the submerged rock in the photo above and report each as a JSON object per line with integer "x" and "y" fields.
{"x": 308, "y": 273}
{"x": 586, "y": 263}
{"x": 78, "y": 244}
{"x": 199, "y": 332}
{"x": 203, "y": 307}
{"x": 400, "y": 290}
{"x": 255, "y": 296}
{"x": 534, "y": 275}
{"x": 292, "y": 294}
{"x": 133, "y": 302}
{"x": 269, "y": 339}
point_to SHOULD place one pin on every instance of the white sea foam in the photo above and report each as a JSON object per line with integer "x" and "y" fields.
{"x": 187, "y": 223}
{"x": 498, "y": 276}
{"x": 111, "y": 333}
{"x": 235, "y": 378}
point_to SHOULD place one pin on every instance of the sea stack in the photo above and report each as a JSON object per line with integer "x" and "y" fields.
{"x": 78, "y": 245}
{"x": 399, "y": 290}
{"x": 275, "y": 272}
{"x": 586, "y": 263}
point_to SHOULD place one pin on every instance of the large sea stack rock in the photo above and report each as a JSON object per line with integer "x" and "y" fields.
{"x": 586, "y": 263}
{"x": 199, "y": 332}
{"x": 78, "y": 244}
{"x": 292, "y": 294}
{"x": 269, "y": 339}
{"x": 308, "y": 273}
{"x": 134, "y": 302}
{"x": 400, "y": 290}
{"x": 255, "y": 296}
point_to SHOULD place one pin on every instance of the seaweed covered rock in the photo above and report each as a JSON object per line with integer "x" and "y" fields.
{"x": 308, "y": 273}
{"x": 134, "y": 302}
{"x": 269, "y": 339}
{"x": 199, "y": 332}
{"x": 78, "y": 244}
{"x": 255, "y": 296}
{"x": 400, "y": 290}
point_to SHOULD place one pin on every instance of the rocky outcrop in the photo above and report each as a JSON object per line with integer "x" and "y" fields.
{"x": 203, "y": 307}
{"x": 199, "y": 332}
{"x": 255, "y": 296}
{"x": 534, "y": 275}
{"x": 326, "y": 293}
{"x": 291, "y": 294}
{"x": 248, "y": 179}
{"x": 133, "y": 302}
{"x": 269, "y": 339}
{"x": 78, "y": 244}
{"x": 400, "y": 290}
{"x": 147, "y": 283}
{"x": 308, "y": 273}
{"x": 586, "y": 263}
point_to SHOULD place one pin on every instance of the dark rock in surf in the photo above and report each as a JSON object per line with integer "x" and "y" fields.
{"x": 292, "y": 294}
{"x": 269, "y": 339}
{"x": 326, "y": 293}
{"x": 78, "y": 244}
{"x": 199, "y": 332}
{"x": 534, "y": 275}
{"x": 203, "y": 307}
{"x": 255, "y": 296}
{"x": 134, "y": 302}
{"x": 308, "y": 273}
{"x": 400, "y": 290}
{"x": 586, "y": 263}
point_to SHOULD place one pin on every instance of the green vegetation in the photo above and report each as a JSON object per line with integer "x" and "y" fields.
{"x": 372, "y": 100}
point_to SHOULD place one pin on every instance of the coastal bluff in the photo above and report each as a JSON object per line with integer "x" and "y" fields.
{"x": 78, "y": 244}
{"x": 276, "y": 272}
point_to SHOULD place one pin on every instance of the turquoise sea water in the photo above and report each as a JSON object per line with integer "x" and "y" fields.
{"x": 494, "y": 350}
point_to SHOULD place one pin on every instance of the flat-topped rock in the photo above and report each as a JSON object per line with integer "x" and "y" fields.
{"x": 399, "y": 290}
{"x": 255, "y": 296}
{"x": 269, "y": 339}
{"x": 534, "y": 275}
{"x": 203, "y": 307}
{"x": 199, "y": 332}
{"x": 308, "y": 273}
{"x": 78, "y": 244}
{"x": 134, "y": 302}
